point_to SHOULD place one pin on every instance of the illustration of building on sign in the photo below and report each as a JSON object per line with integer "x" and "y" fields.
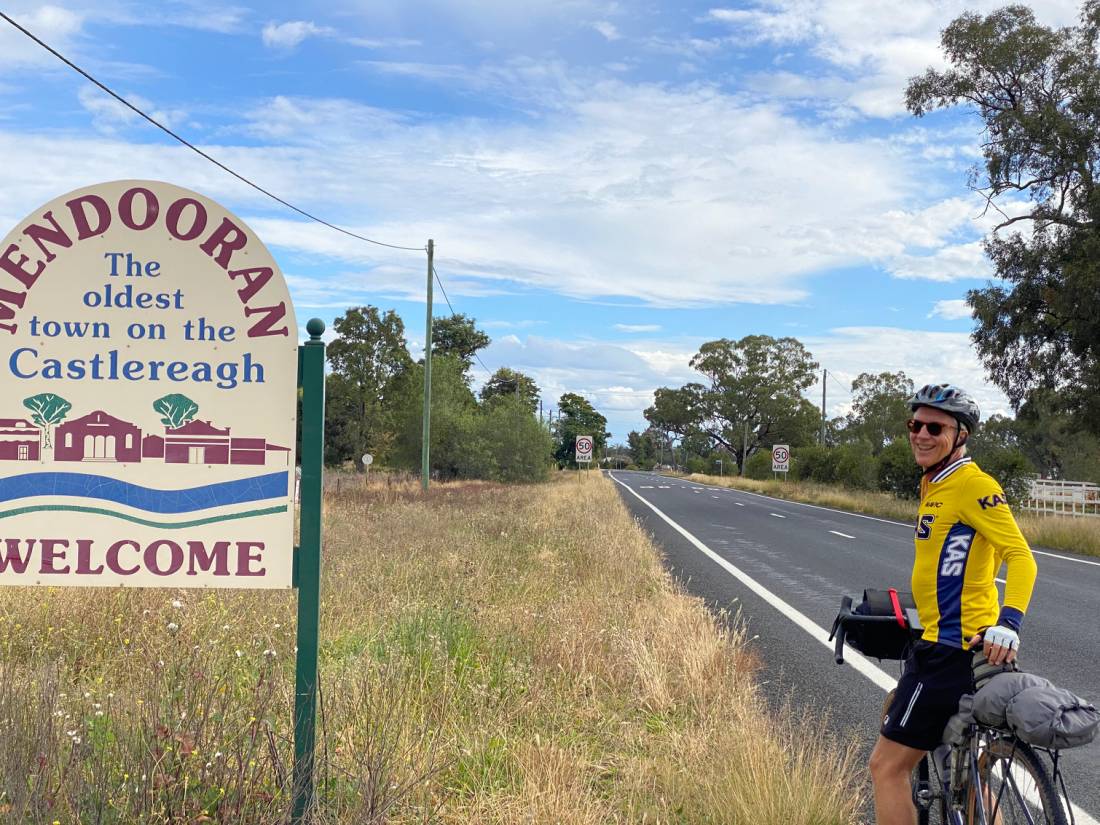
{"x": 100, "y": 436}
{"x": 20, "y": 440}
{"x": 97, "y": 436}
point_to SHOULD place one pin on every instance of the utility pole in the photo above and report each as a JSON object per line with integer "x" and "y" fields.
{"x": 824, "y": 378}
{"x": 425, "y": 464}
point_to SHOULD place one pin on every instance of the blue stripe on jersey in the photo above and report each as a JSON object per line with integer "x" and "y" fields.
{"x": 949, "y": 581}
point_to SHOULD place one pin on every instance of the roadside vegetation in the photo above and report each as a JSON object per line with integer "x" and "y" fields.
{"x": 1078, "y": 535}
{"x": 489, "y": 654}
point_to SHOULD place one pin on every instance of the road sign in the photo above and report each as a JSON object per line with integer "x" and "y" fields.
{"x": 781, "y": 458}
{"x": 368, "y": 459}
{"x": 584, "y": 448}
{"x": 148, "y": 354}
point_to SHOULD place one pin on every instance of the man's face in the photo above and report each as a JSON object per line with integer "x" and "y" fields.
{"x": 929, "y": 449}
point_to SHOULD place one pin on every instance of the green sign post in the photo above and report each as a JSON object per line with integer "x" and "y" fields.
{"x": 307, "y": 566}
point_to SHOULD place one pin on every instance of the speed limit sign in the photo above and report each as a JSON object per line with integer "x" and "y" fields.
{"x": 584, "y": 448}
{"x": 781, "y": 458}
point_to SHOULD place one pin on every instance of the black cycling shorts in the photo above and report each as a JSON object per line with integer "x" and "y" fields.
{"x": 927, "y": 695}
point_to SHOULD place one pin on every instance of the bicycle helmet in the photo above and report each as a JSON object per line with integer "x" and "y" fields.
{"x": 953, "y": 400}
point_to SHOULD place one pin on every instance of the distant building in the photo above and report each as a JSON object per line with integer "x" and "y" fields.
{"x": 20, "y": 440}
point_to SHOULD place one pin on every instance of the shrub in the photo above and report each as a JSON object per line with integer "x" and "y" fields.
{"x": 814, "y": 464}
{"x": 1012, "y": 470}
{"x": 898, "y": 473}
{"x": 856, "y": 465}
{"x": 759, "y": 465}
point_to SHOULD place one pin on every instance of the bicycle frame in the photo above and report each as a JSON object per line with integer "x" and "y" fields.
{"x": 947, "y": 782}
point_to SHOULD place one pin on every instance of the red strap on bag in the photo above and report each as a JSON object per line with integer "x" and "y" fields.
{"x": 897, "y": 607}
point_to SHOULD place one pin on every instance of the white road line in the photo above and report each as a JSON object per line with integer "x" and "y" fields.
{"x": 878, "y": 676}
{"x": 776, "y": 515}
{"x": 874, "y": 674}
{"x": 663, "y": 487}
{"x": 714, "y": 496}
{"x": 838, "y": 533}
{"x": 645, "y": 486}
{"x": 739, "y": 504}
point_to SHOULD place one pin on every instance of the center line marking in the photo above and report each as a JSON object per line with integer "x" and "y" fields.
{"x": 739, "y": 504}
{"x": 838, "y": 533}
{"x": 776, "y": 515}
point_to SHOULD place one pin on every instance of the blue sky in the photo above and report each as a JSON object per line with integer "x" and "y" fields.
{"x": 609, "y": 184}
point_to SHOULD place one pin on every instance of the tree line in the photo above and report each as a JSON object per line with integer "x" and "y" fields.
{"x": 751, "y": 397}
{"x": 375, "y": 403}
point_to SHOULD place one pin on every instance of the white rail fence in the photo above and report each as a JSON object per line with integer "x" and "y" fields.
{"x": 1064, "y": 498}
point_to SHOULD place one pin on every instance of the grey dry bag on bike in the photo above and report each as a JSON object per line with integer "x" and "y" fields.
{"x": 882, "y": 640}
{"x": 1036, "y": 711}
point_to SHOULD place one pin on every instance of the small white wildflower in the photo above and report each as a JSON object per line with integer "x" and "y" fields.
{"x": 269, "y": 653}
{"x": 225, "y": 627}
{"x": 173, "y": 627}
{"x": 70, "y": 733}
{"x": 87, "y": 696}
{"x": 97, "y": 705}
{"x": 239, "y": 654}
{"x": 218, "y": 755}
{"x": 76, "y": 740}
{"x": 176, "y": 603}
{"x": 99, "y": 713}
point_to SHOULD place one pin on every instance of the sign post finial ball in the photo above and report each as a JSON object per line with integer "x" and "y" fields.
{"x": 315, "y": 326}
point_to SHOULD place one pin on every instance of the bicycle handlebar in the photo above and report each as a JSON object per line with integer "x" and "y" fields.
{"x": 846, "y": 615}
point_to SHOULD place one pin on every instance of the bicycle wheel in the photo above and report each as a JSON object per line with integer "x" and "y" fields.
{"x": 1018, "y": 789}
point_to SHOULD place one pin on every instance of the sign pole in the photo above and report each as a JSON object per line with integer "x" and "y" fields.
{"x": 307, "y": 568}
{"x": 425, "y": 464}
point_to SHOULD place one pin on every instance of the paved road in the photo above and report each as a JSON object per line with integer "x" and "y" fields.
{"x": 785, "y": 566}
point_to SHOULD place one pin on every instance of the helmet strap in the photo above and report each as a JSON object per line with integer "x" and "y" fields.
{"x": 956, "y": 443}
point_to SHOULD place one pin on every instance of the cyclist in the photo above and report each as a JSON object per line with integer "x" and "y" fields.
{"x": 964, "y": 532}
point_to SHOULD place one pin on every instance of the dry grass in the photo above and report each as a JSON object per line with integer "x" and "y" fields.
{"x": 1078, "y": 535}
{"x": 487, "y": 657}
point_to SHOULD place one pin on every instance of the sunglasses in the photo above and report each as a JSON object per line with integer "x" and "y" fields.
{"x": 934, "y": 427}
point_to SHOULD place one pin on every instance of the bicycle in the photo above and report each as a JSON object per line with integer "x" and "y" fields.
{"x": 986, "y": 776}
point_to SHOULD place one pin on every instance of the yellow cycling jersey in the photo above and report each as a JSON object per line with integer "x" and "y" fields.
{"x": 964, "y": 532}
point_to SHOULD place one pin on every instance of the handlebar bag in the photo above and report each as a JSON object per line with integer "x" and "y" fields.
{"x": 881, "y": 640}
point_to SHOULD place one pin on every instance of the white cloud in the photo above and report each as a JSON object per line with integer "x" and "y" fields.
{"x": 946, "y": 264}
{"x": 291, "y": 34}
{"x": 108, "y": 115}
{"x": 638, "y": 327}
{"x": 952, "y": 310}
{"x": 925, "y": 357}
{"x": 880, "y": 45}
{"x": 607, "y": 29}
{"x": 55, "y": 25}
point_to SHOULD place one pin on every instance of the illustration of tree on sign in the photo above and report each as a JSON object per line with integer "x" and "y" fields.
{"x": 46, "y": 409}
{"x": 175, "y": 410}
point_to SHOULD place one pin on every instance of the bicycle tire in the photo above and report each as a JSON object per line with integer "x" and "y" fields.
{"x": 927, "y": 776}
{"x": 1030, "y": 789}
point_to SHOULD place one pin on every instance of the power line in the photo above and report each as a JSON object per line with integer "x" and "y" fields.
{"x": 194, "y": 148}
{"x": 439, "y": 281}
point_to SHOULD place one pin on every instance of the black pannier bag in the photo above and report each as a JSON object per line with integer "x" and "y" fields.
{"x": 882, "y": 626}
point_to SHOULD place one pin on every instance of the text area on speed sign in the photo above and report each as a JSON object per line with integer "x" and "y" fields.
{"x": 585, "y": 446}
{"x": 781, "y": 458}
